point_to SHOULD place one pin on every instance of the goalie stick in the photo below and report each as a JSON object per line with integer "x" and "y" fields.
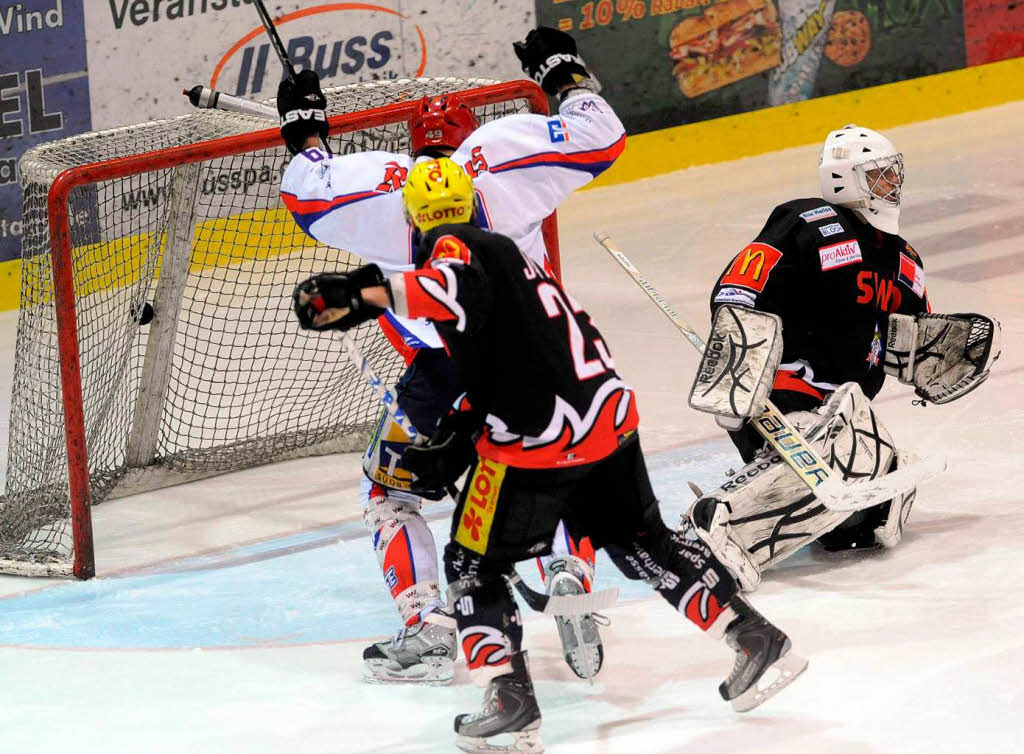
{"x": 794, "y": 449}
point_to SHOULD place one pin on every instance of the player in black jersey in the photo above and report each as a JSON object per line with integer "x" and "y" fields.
{"x": 550, "y": 430}
{"x": 851, "y": 298}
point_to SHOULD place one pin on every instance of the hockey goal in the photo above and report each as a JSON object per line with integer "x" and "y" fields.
{"x": 182, "y": 219}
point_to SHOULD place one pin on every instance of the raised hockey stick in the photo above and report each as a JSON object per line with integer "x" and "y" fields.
{"x": 794, "y": 449}
{"x": 275, "y": 39}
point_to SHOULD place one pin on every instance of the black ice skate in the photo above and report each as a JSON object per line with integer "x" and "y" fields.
{"x": 423, "y": 653}
{"x": 764, "y": 664}
{"x": 581, "y": 639}
{"x": 509, "y": 712}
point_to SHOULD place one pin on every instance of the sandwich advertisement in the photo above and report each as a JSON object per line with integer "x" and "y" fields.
{"x": 666, "y": 63}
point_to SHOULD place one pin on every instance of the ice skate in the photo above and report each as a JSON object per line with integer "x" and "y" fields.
{"x": 423, "y": 653}
{"x": 764, "y": 663}
{"x": 509, "y": 712}
{"x": 581, "y": 639}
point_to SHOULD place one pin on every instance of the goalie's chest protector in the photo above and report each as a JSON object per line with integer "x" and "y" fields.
{"x": 833, "y": 279}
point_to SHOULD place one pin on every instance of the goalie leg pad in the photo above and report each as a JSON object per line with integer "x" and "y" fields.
{"x": 771, "y": 514}
{"x": 739, "y": 363}
{"x": 405, "y": 550}
{"x": 710, "y": 519}
{"x": 890, "y": 533}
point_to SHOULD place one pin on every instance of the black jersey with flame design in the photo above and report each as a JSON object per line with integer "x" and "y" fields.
{"x": 834, "y": 280}
{"x": 531, "y": 360}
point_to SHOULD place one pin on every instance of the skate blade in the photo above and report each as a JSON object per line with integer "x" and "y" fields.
{"x": 775, "y": 678}
{"x": 434, "y": 672}
{"x": 525, "y": 741}
{"x": 584, "y": 657}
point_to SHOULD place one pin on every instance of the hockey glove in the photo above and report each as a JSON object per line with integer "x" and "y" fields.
{"x": 549, "y": 57}
{"x": 449, "y": 452}
{"x": 333, "y": 300}
{"x": 302, "y": 106}
{"x": 944, "y": 356}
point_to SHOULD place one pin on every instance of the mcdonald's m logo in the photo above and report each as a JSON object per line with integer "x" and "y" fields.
{"x": 751, "y": 267}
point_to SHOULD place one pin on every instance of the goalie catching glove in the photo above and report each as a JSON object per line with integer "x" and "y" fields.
{"x": 549, "y": 57}
{"x": 334, "y": 301}
{"x": 944, "y": 356}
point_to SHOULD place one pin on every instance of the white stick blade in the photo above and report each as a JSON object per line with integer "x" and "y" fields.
{"x": 582, "y": 604}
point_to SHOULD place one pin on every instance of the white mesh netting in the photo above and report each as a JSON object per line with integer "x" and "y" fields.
{"x": 244, "y": 386}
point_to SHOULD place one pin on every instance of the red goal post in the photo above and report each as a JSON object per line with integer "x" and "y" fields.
{"x": 67, "y": 293}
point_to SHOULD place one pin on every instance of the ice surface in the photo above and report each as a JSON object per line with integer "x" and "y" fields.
{"x": 230, "y": 614}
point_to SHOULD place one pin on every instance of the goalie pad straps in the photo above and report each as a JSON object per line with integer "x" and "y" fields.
{"x": 739, "y": 363}
{"x": 945, "y": 356}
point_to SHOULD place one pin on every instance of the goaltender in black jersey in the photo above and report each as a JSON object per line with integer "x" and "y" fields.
{"x": 834, "y": 280}
{"x": 548, "y": 431}
{"x": 836, "y": 300}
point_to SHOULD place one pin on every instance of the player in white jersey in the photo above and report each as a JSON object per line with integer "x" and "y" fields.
{"x": 523, "y": 166}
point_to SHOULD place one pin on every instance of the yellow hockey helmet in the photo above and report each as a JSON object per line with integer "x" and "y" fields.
{"x": 437, "y": 192}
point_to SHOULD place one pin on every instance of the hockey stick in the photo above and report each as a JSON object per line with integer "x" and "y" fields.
{"x": 205, "y": 98}
{"x": 564, "y": 604}
{"x": 792, "y": 447}
{"x": 275, "y": 39}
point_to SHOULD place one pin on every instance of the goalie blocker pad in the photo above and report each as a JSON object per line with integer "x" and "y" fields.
{"x": 739, "y": 363}
{"x": 944, "y": 356}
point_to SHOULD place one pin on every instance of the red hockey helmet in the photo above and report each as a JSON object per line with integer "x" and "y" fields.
{"x": 443, "y": 121}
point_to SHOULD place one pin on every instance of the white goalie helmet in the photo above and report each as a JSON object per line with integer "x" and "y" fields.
{"x": 862, "y": 170}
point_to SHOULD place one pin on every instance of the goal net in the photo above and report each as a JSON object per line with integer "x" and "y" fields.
{"x": 182, "y": 219}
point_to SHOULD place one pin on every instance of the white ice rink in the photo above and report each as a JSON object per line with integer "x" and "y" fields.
{"x": 229, "y": 615}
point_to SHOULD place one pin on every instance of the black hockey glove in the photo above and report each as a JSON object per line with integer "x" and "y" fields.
{"x": 449, "y": 452}
{"x": 302, "y": 106}
{"x": 334, "y": 301}
{"x": 549, "y": 57}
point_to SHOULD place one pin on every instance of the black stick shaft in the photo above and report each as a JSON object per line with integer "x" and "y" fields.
{"x": 275, "y": 39}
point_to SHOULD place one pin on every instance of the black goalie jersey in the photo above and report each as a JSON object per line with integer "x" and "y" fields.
{"x": 530, "y": 358}
{"x": 834, "y": 280}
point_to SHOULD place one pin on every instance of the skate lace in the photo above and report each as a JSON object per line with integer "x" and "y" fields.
{"x": 601, "y": 620}
{"x": 399, "y": 638}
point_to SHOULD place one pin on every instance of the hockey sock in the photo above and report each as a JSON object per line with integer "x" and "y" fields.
{"x": 490, "y": 627}
{"x": 405, "y": 549}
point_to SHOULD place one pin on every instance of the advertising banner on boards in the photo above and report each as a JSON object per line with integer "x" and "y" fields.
{"x": 669, "y": 62}
{"x": 44, "y": 93}
{"x": 142, "y": 53}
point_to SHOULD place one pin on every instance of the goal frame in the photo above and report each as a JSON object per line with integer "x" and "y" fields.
{"x": 59, "y": 221}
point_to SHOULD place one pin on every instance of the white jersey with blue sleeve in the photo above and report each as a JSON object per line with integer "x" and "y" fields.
{"x": 523, "y": 166}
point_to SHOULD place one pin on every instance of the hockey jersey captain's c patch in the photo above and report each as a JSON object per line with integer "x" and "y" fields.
{"x": 751, "y": 267}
